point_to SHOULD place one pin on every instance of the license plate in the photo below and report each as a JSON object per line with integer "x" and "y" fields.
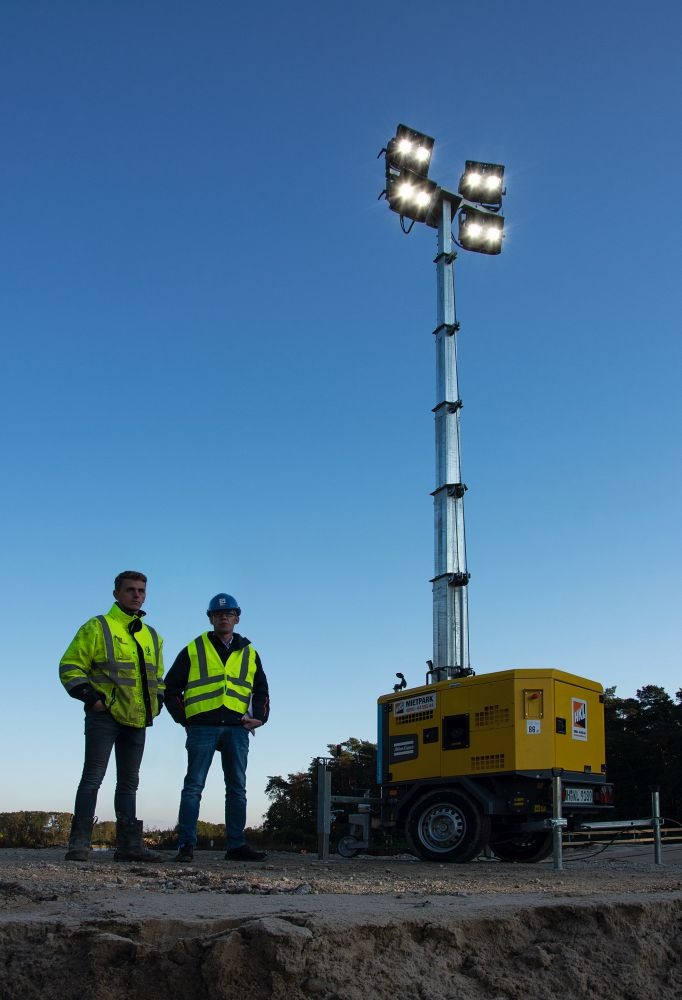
{"x": 579, "y": 796}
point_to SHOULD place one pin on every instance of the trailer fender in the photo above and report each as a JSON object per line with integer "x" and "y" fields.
{"x": 479, "y": 794}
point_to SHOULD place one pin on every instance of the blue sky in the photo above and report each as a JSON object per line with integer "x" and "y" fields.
{"x": 219, "y": 369}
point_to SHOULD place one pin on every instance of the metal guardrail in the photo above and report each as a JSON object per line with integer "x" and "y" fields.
{"x": 640, "y": 836}
{"x": 607, "y": 828}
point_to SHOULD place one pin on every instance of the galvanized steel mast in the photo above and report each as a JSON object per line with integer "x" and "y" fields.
{"x": 450, "y": 606}
{"x": 414, "y": 196}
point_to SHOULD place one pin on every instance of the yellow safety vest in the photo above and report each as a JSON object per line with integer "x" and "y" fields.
{"x": 104, "y": 654}
{"x": 212, "y": 685}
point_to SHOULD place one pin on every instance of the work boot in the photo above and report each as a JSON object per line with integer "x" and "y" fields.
{"x": 244, "y": 853}
{"x": 80, "y": 838}
{"x": 129, "y": 843}
{"x": 185, "y": 854}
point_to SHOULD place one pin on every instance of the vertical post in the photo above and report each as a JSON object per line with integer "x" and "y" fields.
{"x": 656, "y": 823}
{"x": 450, "y": 608}
{"x": 557, "y": 822}
{"x": 324, "y": 799}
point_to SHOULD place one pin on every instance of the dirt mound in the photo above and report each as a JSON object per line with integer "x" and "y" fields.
{"x": 364, "y": 930}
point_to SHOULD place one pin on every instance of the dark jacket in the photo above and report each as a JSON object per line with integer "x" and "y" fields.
{"x": 178, "y": 675}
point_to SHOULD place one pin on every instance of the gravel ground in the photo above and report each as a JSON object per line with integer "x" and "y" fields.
{"x": 297, "y": 927}
{"x": 41, "y": 883}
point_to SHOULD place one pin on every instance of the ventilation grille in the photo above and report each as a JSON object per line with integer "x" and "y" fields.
{"x": 492, "y": 715}
{"x": 488, "y": 762}
{"x": 402, "y": 720}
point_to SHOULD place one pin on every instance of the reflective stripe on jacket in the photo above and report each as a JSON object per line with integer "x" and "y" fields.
{"x": 211, "y": 685}
{"x": 124, "y": 668}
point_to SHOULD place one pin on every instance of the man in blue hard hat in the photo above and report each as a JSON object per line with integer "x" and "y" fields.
{"x": 218, "y": 690}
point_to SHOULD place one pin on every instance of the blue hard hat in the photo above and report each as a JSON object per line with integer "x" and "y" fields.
{"x": 223, "y": 602}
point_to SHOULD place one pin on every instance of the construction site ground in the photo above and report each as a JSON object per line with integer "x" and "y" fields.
{"x": 608, "y": 925}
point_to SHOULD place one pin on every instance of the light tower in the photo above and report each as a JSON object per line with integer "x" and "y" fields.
{"x": 414, "y": 197}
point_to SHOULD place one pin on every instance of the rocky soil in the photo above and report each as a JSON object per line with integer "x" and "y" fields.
{"x": 295, "y": 927}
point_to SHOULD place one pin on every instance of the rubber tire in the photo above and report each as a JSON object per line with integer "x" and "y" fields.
{"x": 345, "y": 847}
{"x": 446, "y": 826}
{"x": 524, "y": 847}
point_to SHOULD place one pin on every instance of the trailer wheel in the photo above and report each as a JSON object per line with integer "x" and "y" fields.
{"x": 528, "y": 847}
{"x": 347, "y": 847}
{"x": 446, "y": 826}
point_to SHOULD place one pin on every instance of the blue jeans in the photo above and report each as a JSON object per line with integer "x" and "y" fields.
{"x": 202, "y": 742}
{"x": 102, "y": 732}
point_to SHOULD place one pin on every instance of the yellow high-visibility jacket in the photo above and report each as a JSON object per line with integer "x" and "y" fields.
{"x": 211, "y": 685}
{"x": 125, "y": 667}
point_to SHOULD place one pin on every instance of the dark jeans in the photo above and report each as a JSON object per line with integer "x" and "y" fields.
{"x": 102, "y": 732}
{"x": 202, "y": 742}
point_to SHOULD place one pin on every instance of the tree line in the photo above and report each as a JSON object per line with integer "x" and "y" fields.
{"x": 644, "y": 750}
{"x": 51, "y": 829}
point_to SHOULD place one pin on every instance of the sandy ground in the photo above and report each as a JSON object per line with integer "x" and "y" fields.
{"x": 293, "y": 926}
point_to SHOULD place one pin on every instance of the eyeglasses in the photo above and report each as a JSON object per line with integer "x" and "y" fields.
{"x": 225, "y": 614}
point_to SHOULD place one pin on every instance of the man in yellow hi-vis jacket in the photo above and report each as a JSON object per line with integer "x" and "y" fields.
{"x": 114, "y": 665}
{"x": 218, "y": 690}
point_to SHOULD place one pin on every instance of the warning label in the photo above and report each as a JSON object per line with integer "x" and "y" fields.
{"x": 579, "y": 718}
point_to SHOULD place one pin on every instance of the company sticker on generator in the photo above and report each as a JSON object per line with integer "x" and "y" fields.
{"x": 579, "y": 718}
{"x": 410, "y": 706}
{"x": 533, "y": 727}
{"x": 403, "y": 748}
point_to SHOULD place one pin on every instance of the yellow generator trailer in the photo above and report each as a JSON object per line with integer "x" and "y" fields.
{"x": 467, "y": 763}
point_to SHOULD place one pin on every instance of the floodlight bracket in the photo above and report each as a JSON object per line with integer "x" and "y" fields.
{"x": 435, "y": 215}
{"x": 454, "y": 579}
{"x": 454, "y": 490}
{"x": 452, "y": 407}
{"x": 448, "y": 328}
{"x": 445, "y": 258}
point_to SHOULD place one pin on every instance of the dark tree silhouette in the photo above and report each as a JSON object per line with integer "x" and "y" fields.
{"x": 644, "y": 749}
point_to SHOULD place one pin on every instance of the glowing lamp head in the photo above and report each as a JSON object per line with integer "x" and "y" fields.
{"x": 482, "y": 183}
{"x": 410, "y": 195}
{"x": 409, "y": 150}
{"x": 480, "y": 231}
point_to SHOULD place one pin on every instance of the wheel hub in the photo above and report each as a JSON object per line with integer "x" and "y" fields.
{"x": 442, "y": 828}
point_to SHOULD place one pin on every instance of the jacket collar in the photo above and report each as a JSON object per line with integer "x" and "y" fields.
{"x": 122, "y": 616}
{"x": 238, "y": 641}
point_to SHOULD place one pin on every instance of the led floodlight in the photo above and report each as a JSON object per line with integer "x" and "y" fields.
{"x": 480, "y": 231}
{"x": 410, "y": 150}
{"x": 482, "y": 183}
{"x": 411, "y": 195}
